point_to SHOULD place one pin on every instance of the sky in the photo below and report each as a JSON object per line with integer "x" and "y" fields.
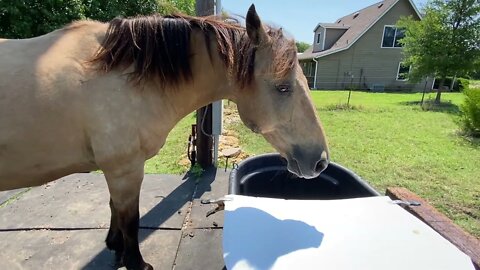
{"x": 299, "y": 17}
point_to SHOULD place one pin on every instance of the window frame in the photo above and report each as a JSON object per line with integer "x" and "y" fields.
{"x": 318, "y": 38}
{"x": 398, "y": 72}
{"x": 394, "y": 38}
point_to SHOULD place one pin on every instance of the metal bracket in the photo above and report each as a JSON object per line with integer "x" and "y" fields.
{"x": 407, "y": 203}
{"x": 220, "y": 205}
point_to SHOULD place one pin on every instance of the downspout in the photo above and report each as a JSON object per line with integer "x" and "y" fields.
{"x": 315, "y": 75}
{"x": 218, "y": 8}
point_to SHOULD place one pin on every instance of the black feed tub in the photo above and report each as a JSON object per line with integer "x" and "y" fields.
{"x": 267, "y": 176}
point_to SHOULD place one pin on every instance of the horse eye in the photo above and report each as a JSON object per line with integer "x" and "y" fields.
{"x": 284, "y": 88}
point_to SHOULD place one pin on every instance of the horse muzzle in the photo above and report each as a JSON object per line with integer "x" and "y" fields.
{"x": 307, "y": 164}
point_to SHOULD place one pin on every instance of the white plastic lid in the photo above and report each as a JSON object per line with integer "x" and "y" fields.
{"x": 365, "y": 233}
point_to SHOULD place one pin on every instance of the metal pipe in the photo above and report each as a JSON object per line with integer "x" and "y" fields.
{"x": 218, "y": 7}
{"x": 216, "y": 137}
{"x": 315, "y": 75}
{"x": 216, "y": 141}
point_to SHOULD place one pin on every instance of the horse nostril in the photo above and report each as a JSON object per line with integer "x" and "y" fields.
{"x": 321, "y": 165}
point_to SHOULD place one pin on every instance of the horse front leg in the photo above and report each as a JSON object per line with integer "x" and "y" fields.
{"x": 124, "y": 186}
{"x": 114, "y": 239}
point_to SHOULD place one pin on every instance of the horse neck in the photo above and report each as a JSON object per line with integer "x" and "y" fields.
{"x": 210, "y": 81}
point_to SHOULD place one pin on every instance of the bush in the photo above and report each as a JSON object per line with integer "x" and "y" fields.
{"x": 462, "y": 84}
{"x": 471, "y": 112}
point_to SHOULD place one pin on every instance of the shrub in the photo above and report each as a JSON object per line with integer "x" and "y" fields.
{"x": 471, "y": 112}
{"x": 462, "y": 84}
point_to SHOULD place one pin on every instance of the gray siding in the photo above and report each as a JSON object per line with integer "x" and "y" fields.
{"x": 331, "y": 36}
{"x": 318, "y": 46}
{"x": 368, "y": 63}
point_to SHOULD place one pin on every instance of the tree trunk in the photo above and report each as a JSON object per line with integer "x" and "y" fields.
{"x": 439, "y": 90}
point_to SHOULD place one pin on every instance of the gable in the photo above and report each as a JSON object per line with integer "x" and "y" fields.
{"x": 361, "y": 21}
{"x": 373, "y": 37}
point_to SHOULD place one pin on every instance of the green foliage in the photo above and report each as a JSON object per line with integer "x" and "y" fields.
{"x": 446, "y": 40}
{"x": 463, "y": 84}
{"x": 302, "y": 46}
{"x": 197, "y": 171}
{"x": 471, "y": 112}
{"x": 30, "y": 18}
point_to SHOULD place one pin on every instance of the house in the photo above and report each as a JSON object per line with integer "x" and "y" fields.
{"x": 361, "y": 51}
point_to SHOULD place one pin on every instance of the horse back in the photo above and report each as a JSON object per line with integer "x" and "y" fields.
{"x": 42, "y": 102}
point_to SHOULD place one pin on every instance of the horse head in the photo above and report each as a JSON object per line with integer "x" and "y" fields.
{"x": 276, "y": 101}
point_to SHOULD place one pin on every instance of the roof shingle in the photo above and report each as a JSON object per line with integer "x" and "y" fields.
{"x": 358, "y": 25}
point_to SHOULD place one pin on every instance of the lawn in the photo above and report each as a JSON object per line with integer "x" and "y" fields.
{"x": 388, "y": 140}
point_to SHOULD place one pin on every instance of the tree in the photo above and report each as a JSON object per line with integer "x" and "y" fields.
{"x": 446, "y": 42}
{"x": 302, "y": 46}
{"x": 29, "y": 18}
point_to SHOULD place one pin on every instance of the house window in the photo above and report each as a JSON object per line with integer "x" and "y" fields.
{"x": 403, "y": 71}
{"x": 391, "y": 37}
{"x": 318, "y": 38}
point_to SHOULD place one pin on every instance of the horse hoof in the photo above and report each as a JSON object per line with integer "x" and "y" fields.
{"x": 143, "y": 266}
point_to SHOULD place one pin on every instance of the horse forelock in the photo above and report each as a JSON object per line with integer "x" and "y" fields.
{"x": 158, "y": 48}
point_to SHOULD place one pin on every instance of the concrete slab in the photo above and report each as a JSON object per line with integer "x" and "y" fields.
{"x": 208, "y": 189}
{"x": 213, "y": 184}
{"x": 83, "y": 249}
{"x": 202, "y": 250}
{"x": 81, "y": 201}
{"x": 9, "y": 194}
{"x": 199, "y": 219}
{"x": 165, "y": 200}
{"x": 76, "y": 207}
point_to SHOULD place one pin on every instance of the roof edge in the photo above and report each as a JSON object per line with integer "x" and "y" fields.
{"x": 416, "y": 9}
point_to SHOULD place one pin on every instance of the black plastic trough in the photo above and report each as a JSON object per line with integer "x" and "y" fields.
{"x": 267, "y": 176}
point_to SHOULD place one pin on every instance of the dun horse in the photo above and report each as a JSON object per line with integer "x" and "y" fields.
{"x": 105, "y": 96}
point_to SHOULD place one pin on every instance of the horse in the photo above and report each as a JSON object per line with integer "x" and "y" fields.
{"x": 104, "y": 96}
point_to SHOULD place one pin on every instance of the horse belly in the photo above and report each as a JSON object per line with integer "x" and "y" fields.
{"x": 35, "y": 164}
{"x": 39, "y": 144}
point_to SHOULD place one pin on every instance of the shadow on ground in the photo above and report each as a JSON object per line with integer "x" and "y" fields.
{"x": 429, "y": 105}
{"x": 190, "y": 189}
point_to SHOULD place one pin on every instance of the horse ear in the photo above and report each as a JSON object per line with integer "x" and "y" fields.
{"x": 255, "y": 30}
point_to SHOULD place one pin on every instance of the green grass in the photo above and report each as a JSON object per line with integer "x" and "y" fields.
{"x": 174, "y": 151}
{"x": 388, "y": 140}
{"x": 474, "y": 83}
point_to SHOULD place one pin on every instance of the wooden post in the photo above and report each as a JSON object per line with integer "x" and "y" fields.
{"x": 204, "y": 7}
{"x": 350, "y": 92}
{"x": 204, "y": 114}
